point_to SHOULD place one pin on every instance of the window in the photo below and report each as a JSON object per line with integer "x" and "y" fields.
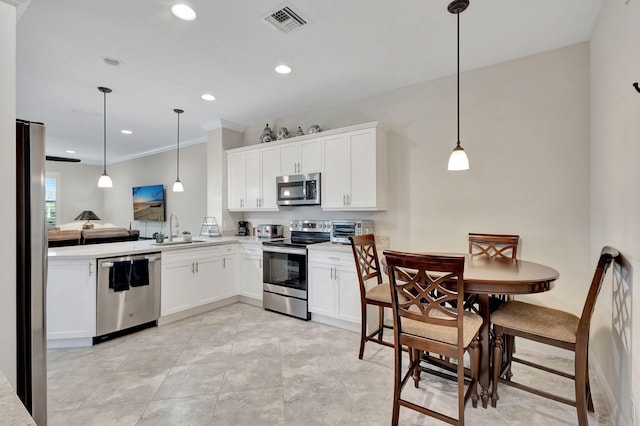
{"x": 51, "y": 199}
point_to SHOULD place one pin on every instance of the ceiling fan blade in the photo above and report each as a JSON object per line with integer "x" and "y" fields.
{"x": 63, "y": 159}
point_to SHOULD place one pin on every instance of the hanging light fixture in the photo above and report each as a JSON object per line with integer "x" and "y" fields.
{"x": 177, "y": 186}
{"x": 105, "y": 180}
{"x": 458, "y": 159}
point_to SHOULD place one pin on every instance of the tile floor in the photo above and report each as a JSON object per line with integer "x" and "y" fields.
{"x": 241, "y": 365}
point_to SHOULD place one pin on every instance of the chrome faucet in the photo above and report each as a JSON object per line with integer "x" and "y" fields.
{"x": 171, "y": 225}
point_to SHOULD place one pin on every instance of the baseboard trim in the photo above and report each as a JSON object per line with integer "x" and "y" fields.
{"x": 168, "y": 319}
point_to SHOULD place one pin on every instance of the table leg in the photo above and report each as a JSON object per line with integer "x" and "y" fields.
{"x": 485, "y": 357}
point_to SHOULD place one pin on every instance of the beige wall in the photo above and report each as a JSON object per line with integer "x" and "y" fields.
{"x": 77, "y": 189}
{"x": 190, "y": 205}
{"x": 615, "y": 200}
{"x": 525, "y": 127}
{"x": 8, "y": 190}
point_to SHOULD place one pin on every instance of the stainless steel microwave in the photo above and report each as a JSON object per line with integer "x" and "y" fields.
{"x": 298, "y": 190}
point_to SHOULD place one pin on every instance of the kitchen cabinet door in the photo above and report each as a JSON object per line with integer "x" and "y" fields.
{"x": 250, "y": 274}
{"x": 226, "y": 286}
{"x": 355, "y": 171}
{"x": 348, "y": 294}
{"x": 206, "y": 276}
{"x": 301, "y": 157}
{"x": 237, "y": 182}
{"x": 253, "y": 188}
{"x": 177, "y": 286}
{"x": 71, "y": 299}
{"x": 323, "y": 295}
{"x": 336, "y": 180}
{"x": 270, "y": 163}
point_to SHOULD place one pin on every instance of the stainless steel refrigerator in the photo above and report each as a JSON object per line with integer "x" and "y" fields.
{"x": 31, "y": 269}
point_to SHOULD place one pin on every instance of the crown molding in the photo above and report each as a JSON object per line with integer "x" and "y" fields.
{"x": 226, "y": 124}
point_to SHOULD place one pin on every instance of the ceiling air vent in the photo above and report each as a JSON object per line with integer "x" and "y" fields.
{"x": 285, "y": 17}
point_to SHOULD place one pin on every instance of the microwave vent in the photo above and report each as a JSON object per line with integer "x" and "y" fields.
{"x": 285, "y": 18}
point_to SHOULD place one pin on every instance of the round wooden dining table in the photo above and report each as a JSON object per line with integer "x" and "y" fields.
{"x": 486, "y": 276}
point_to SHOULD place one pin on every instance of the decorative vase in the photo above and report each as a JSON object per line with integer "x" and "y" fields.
{"x": 299, "y": 132}
{"x": 314, "y": 129}
{"x": 267, "y": 135}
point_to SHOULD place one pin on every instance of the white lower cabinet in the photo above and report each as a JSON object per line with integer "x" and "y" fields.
{"x": 191, "y": 278}
{"x": 71, "y": 300}
{"x": 333, "y": 286}
{"x": 250, "y": 271}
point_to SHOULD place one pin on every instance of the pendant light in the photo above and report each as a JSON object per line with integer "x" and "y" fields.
{"x": 177, "y": 186}
{"x": 458, "y": 159}
{"x": 105, "y": 180}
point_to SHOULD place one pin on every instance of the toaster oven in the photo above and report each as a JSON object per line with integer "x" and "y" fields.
{"x": 341, "y": 230}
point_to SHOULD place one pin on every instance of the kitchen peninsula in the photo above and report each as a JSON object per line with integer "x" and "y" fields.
{"x": 193, "y": 277}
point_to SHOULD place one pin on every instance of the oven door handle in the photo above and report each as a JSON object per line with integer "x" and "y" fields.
{"x": 286, "y": 250}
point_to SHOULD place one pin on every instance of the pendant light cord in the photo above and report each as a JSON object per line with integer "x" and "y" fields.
{"x": 458, "y": 82}
{"x": 104, "y": 170}
{"x": 178, "y": 152}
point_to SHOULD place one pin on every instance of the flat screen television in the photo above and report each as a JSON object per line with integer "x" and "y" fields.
{"x": 148, "y": 203}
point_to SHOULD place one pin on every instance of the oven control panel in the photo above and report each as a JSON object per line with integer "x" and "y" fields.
{"x": 310, "y": 225}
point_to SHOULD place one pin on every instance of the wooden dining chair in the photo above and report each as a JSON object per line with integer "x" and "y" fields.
{"x": 365, "y": 255}
{"x": 424, "y": 321}
{"x": 555, "y": 328}
{"x": 494, "y": 245}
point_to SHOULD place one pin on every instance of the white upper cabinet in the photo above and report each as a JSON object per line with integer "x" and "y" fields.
{"x": 352, "y": 160}
{"x": 251, "y": 179}
{"x": 301, "y": 157}
{"x": 355, "y": 171}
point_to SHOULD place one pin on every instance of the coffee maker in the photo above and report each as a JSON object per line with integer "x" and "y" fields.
{"x": 243, "y": 229}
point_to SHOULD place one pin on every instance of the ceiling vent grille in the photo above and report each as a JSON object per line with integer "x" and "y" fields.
{"x": 286, "y": 18}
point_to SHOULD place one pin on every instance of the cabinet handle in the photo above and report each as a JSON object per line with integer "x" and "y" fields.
{"x": 260, "y": 263}
{"x": 90, "y": 268}
{"x": 193, "y": 267}
{"x": 334, "y": 258}
{"x": 197, "y": 265}
{"x": 348, "y": 199}
{"x": 333, "y": 276}
{"x": 224, "y": 262}
{"x": 344, "y": 200}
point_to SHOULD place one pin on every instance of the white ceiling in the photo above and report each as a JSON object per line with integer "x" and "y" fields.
{"x": 350, "y": 49}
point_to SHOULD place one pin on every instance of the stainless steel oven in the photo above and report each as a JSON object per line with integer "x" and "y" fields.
{"x": 298, "y": 189}
{"x": 285, "y": 268}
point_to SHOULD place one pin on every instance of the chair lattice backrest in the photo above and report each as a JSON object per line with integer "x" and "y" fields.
{"x": 494, "y": 245}
{"x": 366, "y": 258}
{"x": 424, "y": 287}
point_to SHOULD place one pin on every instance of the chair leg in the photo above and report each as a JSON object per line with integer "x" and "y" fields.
{"x": 581, "y": 387}
{"x": 380, "y": 323}
{"x": 497, "y": 363}
{"x": 415, "y": 357}
{"x": 474, "y": 353}
{"x": 588, "y": 390}
{"x": 363, "y": 332}
{"x": 461, "y": 400}
{"x": 510, "y": 343}
{"x": 397, "y": 387}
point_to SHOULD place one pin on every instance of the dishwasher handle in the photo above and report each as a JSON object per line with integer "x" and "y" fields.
{"x": 149, "y": 258}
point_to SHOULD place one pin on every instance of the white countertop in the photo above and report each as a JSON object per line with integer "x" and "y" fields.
{"x": 94, "y": 251}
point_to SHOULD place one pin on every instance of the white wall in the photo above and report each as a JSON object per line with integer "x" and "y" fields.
{"x": 8, "y": 190}
{"x": 190, "y": 205}
{"x": 615, "y": 200}
{"x": 78, "y": 189}
{"x": 525, "y": 127}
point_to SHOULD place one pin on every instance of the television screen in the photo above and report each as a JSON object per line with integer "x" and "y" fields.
{"x": 148, "y": 202}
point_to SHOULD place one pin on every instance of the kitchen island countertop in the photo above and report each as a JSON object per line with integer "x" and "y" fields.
{"x": 95, "y": 251}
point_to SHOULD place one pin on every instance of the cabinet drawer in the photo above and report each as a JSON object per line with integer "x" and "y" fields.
{"x": 250, "y": 249}
{"x": 332, "y": 258}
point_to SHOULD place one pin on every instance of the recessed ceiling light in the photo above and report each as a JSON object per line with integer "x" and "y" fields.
{"x": 126, "y": 132}
{"x": 283, "y": 69}
{"x": 208, "y": 97}
{"x": 111, "y": 61}
{"x": 70, "y": 151}
{"x": 184, "y": 12}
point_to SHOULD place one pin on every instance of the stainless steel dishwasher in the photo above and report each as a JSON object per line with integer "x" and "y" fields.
{"x": 134, "y": 306}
